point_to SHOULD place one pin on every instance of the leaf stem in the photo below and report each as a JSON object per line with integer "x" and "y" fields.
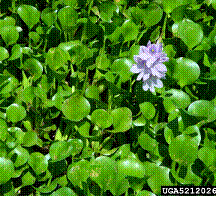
{"x": 85, "y": 82}
{"x": 162, "y": 36}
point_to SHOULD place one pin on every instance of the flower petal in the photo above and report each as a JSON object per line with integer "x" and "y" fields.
{"x": 135, "y": 69}
{"x": 150, "y": 61}
{"x": 161, "y": 67}
{"x": 140, "y": 76}
{"x": 145, "y": 86}
{"x": 155, "y": 72}
{"x": 159, "y": 84}
{"x": 136, "y": 58}
{"x": 145, "y": 77}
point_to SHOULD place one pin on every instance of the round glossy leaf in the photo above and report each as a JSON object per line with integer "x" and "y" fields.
{"x": 102, "y": 118}
{"x": 9, "y": 34}
{"x": 3, "y": 130}
{"x": 22, "y": 156}
{"x": 16, "y": 52}
{"x": 107, "y": 10}
{"x": 102, "y": 62}
{"x": 49, "y": 16}
{"x": 152, "y": 15}
{"x": 131, "y": 167}
{"x": 15, "y": 113}
{"x": 59, "y": 150}
{"x": 145, "y": 193}
{"x": 122, "y": 119}
{"x": 208, "y": 156}
{"x": 6, "y": 170}
{"x": 79, "y": 172}
{"x": 129, "y": 30}
{"x": 92, "y": 92}
{"x": 147, "y": 110}
{"x": 57, "y": 58}
{"x": 76, "y": 108}
{"x": 186, "y": 71}
{"x": 38, "y": 162}
{"x": 28, "y": 179}
{"x": 64, "y": 191}
{"x": 178, "y": 98}
{"x": 185, "y": 29}
{"x": 99, "y": 172}
{"x": 3, "y": 53}
{"x": 122, "y": 67}
{"x": 194, "y": 132}
{"x": 75, "y": 145}
{"x": 183, "y": 150}
{"x": 147, "y": 143}
{"x": 34, "y": 67}
{"x": 169, "y": 5}
{"x": 158, "y": 179}
{"x": 203, "y": 108}
{"x": 67, "y": 17}
{"x": 29, "y": 14}
{"x": 30, "y": 139}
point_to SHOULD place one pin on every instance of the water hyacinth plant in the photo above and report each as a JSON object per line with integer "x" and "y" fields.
{"x": 107, "y": 97}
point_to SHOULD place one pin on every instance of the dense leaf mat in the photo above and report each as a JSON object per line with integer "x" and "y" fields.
{"x": 74, "y": 119}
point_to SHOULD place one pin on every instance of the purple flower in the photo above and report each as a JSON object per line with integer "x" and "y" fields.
{"x": 150, "y": 66}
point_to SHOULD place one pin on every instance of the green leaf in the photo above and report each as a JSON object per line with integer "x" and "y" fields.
{"x": 177, "y": 98}
{"x": 34, "y": 36}
{"x": 183, "y": 150}
{"x": 30, "y": 139}
{"x": 16, "y": 52}
{"x": 28, "y": 179}
{"x": 49, "y": 16}
{"x": 102, "y": 62}
{"x": 152, "y": 14}
{"x": 203, "y": 108}
{"x": 90, "y": 30}
{"x": 145, "y": 193}
{"x": 147, "y": 143}
{"x": 102, "y": 118}
{"x": 57, "y": 58}
{"x": 64, "y": 191}
{"x": 3, "y": 53}
{"x": 185, "y": 29}
{"x": 92, "y": 92}
{"x": 9, "y": 34}
{"x": 6, "y": 170}
{"x": 147, "y": 110}
{"x": 131, "y": 167}
{"x": 3, "y": 130}
{"x": 129, "y": 30}
{"x": 22, "y": 156}
{"x": 194, "y": 132}
{"x": 67, "y": 17}
{"x": 38, "y": 162}
{"x": 186, "y": 71}
{"x": 122, "y": 67}
{"x": 169, "y": 50}
{"x": 76, "y": 108}
{"x": 208, "y": 156}
{"x": 122, "y": 119}
{"x": 29, "y": 14}
{"x": 170, "y": 5}
{"x": 34, "y": 67}
{"x": 106, "y": 10}
{"x": 158, "y": 179}
{"x": 100, "y": 173}
{"x": 78, "y": 172}
{"x": 15, "y": 113}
